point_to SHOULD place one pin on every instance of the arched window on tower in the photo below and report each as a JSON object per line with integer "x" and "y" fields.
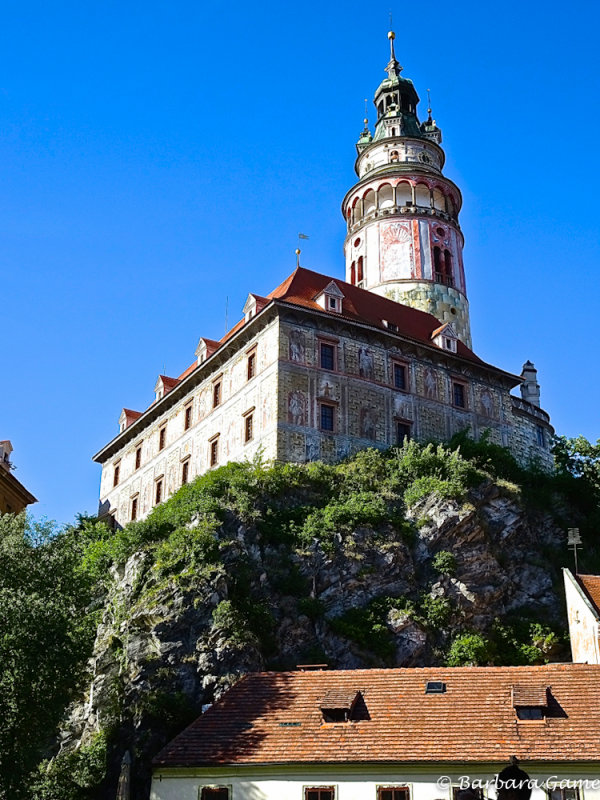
{"x": 353, "y": 273}
{"x": 394, "y": 156}
{"x": 437, "y": 264}
{"x": 448, "y": 271}
{"x": 380, "y": 109}
{"x": 359, "y": 272}
{"x": 393, "y": 131}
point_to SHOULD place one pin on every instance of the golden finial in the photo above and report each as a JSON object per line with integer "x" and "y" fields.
{"x": 298, "y": 251}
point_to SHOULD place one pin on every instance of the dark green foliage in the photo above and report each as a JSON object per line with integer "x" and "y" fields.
{"x": 311, "y": 607}
{"x": 436, "y": 611}
{"x": 368, "y": 626}
{"x": 72, "y": 775}
{"x": 469, "y": 650}
{"x": 45, "y": 637}
{"x": 444, "y": 562}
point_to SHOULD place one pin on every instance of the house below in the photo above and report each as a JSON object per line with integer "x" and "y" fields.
{"x": 389, "y": 734}
{"x": 582, "y": 594}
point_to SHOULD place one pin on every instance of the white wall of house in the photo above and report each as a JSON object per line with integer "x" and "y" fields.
{"x": 584, "y": 627}
{"x": 357, "y": 782}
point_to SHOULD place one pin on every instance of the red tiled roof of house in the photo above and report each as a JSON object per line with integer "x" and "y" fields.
{"x": 131, "y": 416}
{"x": 591, "y": 586}
{"x": 272, "y": 718}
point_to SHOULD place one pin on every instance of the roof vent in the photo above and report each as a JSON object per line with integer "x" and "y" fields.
{"x": 435, "y": 687}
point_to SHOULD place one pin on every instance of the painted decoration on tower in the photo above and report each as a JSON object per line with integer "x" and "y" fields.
{"x": 297, "y": 346}
{"x": 297, "y": 408}
{"x": 486, "y": 403}
{"x": 397, "y": 257}
{"x": 365, "y": 363}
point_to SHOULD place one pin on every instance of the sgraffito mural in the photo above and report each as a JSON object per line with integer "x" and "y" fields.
{"x": 397, "y": 256}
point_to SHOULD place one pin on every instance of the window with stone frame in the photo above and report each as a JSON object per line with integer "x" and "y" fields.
{"x": 327, "y": 352}
{"x": 403, "y": 429}
{"x": 162, "y": 438}
{"x": 116, "y": 473}
{"x": 248, "y": 428}
{"x": 400, "y": 376}
{"x": 158, "y": 490}
{"x": 214, "y": 451}
{"x": 319, "y": 793}
{"x": 134, "y": 507}
{"x": 563, "y": 794}
{"x": 251, "y": 365}
{"x": 393, "y": 793}
{"x": 214, "y": 793}
{"x": 138, "y": 456}
{"x": 185, "y": 471}
{"x": 217, "y": 387}
{"x": 326, "y": 417}
{"x": 459, "y": 394}
{"x": 187, "y": 416}
{"x": 540, "y": 436}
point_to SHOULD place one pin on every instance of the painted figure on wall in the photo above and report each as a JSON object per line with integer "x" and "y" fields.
{"x": 365, "y": 363}
{"x": 487, "y": 404}
{"x": 297, "y": 408}
{"x": 297, "y": 346}
{"x": 430, "y": 384}
{"x": 396, "y": 251}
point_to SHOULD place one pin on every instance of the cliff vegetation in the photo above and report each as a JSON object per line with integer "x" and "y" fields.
{"x": 112, "y": 641}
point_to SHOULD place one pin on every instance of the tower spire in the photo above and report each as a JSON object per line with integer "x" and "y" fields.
{"x": 393, "y": 69}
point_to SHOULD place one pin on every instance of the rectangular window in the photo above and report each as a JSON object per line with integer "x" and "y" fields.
{"x": 214, "y": 793}
{"x": 116, "y": 473}
{"x": 459, "y": 395}
{"x": 319, "y": 793}
{"x": 540, "y": 436}
{"x": 393, "y": 793}
{"x": 563, "y": 794}
{"x": 185, "y": 471}
{"x": 162, "y": 438}
{"x": 478, "y": 793}
{"x": 158, "y": 491}
{"x": 251, "y": 366}
{"x": 138, "y": 456}
{"x": 216, "y": 394}
{"x": 187, "y": 423}
{"x": 248, "y": 428}
{"x": 400, "y": 377}
{"x": 214, "y": 452}
{"x": 402, "y": 432}
{"x": 327, "y": 417}
{"x": 134, "y": 508}
{"x": 327, "y": 356}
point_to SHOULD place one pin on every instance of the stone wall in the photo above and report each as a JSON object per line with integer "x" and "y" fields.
{"x": 531, "y": 434}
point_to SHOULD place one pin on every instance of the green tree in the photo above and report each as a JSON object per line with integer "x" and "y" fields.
{"x": 45, "y": 638}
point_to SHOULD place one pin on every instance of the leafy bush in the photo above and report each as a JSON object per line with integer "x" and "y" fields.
{"x": 72, "y": 775}
{"x": 368, "y": 626}
{"x": 436, "y": 610}
{"x": 444, "y": 562}
{"x": 469, "y": 650}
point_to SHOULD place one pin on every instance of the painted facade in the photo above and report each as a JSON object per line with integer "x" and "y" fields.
{"x": 396, "y": 335}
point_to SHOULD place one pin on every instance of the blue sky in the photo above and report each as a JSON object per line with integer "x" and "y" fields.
{"x": 158, "y": 158}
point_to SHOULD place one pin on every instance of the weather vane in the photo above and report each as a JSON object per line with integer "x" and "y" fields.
{"x": 298, "y": 251}
{"x": 574, "y": 541}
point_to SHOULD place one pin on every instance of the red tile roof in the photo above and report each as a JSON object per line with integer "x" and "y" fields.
{"x": 271, "y": 718}
{"x": 169, "y": 383}
{"x": 591, "y": 586}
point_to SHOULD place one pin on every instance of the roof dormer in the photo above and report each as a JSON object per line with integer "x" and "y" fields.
{"x": 6, "y": 449}
{"x": 163, "y": 385}
{"x": 338, "y": 705}
{"x": 253, "y": 305}
{"x": 445, "y": 337}
{"x": 530, "y": 702}
{"x": 127, "y": 417}
{"x": 331, "y": 298}
{"x": 205, "y": 349}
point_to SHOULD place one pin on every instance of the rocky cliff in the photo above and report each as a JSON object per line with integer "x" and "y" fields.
{"x": 387, "y": 560}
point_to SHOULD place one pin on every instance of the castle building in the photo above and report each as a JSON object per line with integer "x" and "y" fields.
{"x": 321, "y": 367}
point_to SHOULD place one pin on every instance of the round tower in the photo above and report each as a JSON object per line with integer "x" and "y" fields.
{"x": 404, "y": 240}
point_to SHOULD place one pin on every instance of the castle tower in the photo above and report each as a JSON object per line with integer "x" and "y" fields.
{"x": 404, "y": 240}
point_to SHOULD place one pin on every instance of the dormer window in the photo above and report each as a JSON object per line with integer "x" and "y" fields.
{"x": 391, "y": 326}
{"x": 331, "y": 298}
{"x": 445, "y": 337}
{"x": 205, "y": 349}
{"x": 530, "y": 703}
{"x": 338, "y": 705}
{"x": 253, "y": 305}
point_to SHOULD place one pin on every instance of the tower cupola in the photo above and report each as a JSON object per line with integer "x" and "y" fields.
{"x": 404, "y": 240}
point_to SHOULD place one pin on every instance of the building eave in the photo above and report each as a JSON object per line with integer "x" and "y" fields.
{"x": 17, "y": 487}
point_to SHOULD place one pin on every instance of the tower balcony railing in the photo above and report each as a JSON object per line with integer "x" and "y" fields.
{"x": 447, "y": 280}
{"x": 403, "y": 209}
